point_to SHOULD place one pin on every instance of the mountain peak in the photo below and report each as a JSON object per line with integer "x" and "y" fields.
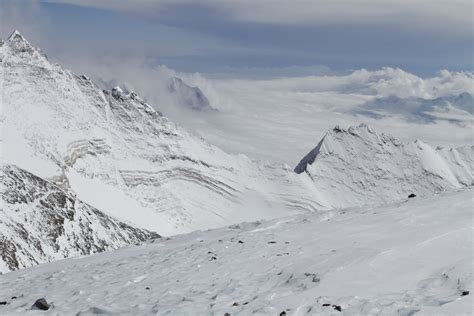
{"x": 337, "y": 139}
{"x": 16, "y": 34}
{"x": 20, "y": 47}
{"x": 19, "y": 42}
{"x": 370, "y": 167}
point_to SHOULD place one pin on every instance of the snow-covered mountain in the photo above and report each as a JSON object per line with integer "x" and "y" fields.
{"x": 190, "y": 97}
{"x": 72, "y": 152}
{"x": 40, "y": 222}
{"x": 410, "y": 257}
{"x": 357, "y": 166}
{"x": 113, "y": 152}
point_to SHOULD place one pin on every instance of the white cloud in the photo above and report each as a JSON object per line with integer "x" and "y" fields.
{"x": 281, "y": 119}
{"x": 384, "y": 82}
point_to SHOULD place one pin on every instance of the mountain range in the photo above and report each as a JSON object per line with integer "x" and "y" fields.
{"x": 86, "y": 170}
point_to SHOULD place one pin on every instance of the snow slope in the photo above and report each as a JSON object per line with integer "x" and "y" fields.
{"x": 407, "y": 258}
{"x": 358, "y": 166}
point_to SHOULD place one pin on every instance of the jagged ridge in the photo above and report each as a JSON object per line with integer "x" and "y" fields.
{"x": 39, "y": 222}
{"x": 357, "y": 166}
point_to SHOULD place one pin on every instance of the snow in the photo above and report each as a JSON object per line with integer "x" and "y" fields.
{"x": 118, "y": 205}
{"x": 258, "y": 117}
{"x": 149, "y": 172}
{"x": 413, "y": 256}
{"x": 110, "y": 152}
{"x": 40, "y": 222}
{"x": 358, "y": 166}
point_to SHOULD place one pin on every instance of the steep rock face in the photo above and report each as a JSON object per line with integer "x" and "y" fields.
{"x": 39, "y": 222}
{"x": 121, "y": 156}
{"x": 358, "y": 166}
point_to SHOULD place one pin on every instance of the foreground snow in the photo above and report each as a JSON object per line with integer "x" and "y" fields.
{"x": 410, "y": 257}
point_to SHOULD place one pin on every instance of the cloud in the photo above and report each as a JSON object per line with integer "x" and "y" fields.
{"x": 23, "y": 15}
{"x": 455, "y": 14}
{"x": 457, "y": 109}
{"x": 243, "y": 36}
{"x": 278, "y": 119}
{"x": 383, "y": 82}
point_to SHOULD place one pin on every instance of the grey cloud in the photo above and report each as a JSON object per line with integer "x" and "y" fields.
{"x": 429, "y": 14}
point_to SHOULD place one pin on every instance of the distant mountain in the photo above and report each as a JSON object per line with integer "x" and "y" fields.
{"x": 187, "y": 96}
{"x": 356, "y": 166}
{"x": 419, "y": 109}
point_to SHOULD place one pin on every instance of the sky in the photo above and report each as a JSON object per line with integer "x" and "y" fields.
{"x": 278, "y": 37}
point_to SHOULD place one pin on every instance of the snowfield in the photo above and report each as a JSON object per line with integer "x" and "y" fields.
{"x": 413, "y": 257}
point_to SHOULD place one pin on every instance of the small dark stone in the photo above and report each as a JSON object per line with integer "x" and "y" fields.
{"x": 240, "y": 242}
{"x": 283, "y": 313}
{"x": 213, "y": 258}
{"x": 147, "y": 288}
{"x": 41, "y": 304}
{"x": 326, "y": 304}
{"x": 3, "y": 303}
{"x": 337, "y": 307}
{"x": 316, "y": 280}
{"x": 272, "y": 242}
{"x": 245, "y": 303}
{"x": 236, "y": 304}
{"x": 464, "y": 293}
{"x": 226, "y": 314}
{"x": 411, "y": 195}
{"x": 14, "y": 297}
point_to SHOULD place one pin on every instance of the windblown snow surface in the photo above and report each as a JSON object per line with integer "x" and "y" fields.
{"x": 413, "y": 257}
